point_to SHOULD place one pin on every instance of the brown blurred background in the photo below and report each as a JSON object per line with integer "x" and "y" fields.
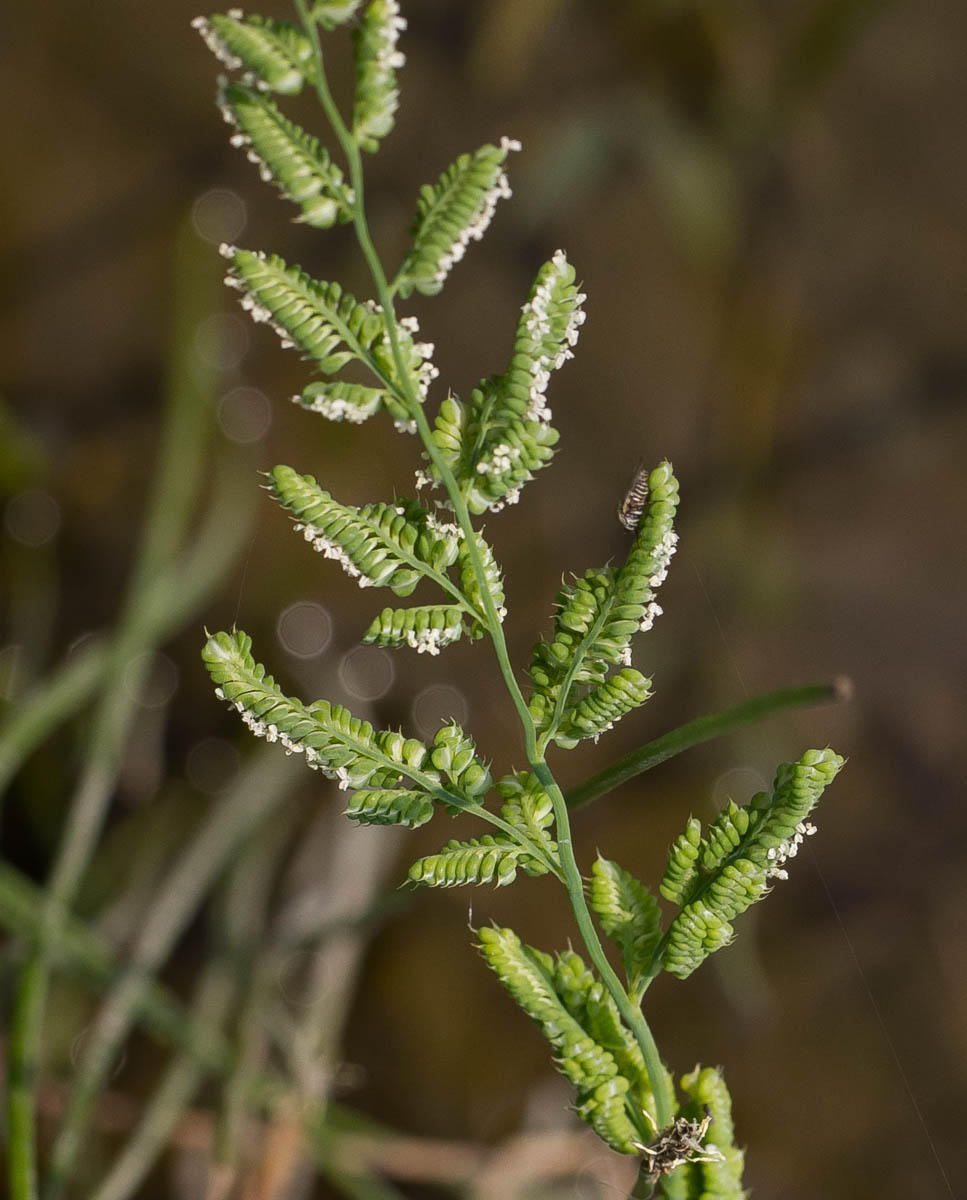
{"x": 765, "y": 203}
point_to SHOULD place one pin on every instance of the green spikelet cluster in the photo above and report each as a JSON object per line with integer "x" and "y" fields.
{"x": 377, "y": 61}
{"x": 487, "y": 859}
{"x": 715, "y": 878}
{"x": 602, "y": 1091}
{"x": 390, "y": 806}
{"x": 331, "y": 738}
{"x": 346, "y": 748}
{"x": 598, "y": 710}
{"x": 597, "y": 616}
{"x": 629, "y": 915}
{"x": 330, "y": 14}
{"x": 470, "y": 585}
{"x": 450, "y": 214}
{"x": 287, "y": 156}
{"x": 381, "y": 545}
{"x": 529, "y": 809}
{"x": 494, "y": 443}
{"x": 427, "y": 628}
{"x": 329, "y": 326}
{"x": 721, "y": 1177}
{"x": 483, "y": 450}
{"x": 337, "y": 400}
{"x": 274, "y": 54}
{"x": 454, "y": 755}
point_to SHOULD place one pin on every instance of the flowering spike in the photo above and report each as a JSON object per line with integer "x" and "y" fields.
{"x": 274, "y": 55}
{"x": 452, "y": 213}
{"x": 287, "y": 156}
{"x": 377, "y": 61}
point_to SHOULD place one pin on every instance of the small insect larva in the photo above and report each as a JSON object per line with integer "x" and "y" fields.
{"x": 632, "y": 506}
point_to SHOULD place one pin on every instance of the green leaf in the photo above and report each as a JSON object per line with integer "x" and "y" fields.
{"x": 277, "y": 54}
{"x": 287, "y": 155}
{"x": 427, "y": 628}
{"x": 629, "y": 915}
{"x": 381, "y": 545}
{"x": 377, "y": 61}
{"x": 331, "y": 738}
{"x": 450, "y": 214}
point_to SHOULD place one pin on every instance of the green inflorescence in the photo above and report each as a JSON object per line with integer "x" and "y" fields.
{"x": 478, "y": 454}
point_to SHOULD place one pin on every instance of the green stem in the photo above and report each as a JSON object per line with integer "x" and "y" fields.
{"x": 631, "y": 1014}
{"x": 703, "y": 729}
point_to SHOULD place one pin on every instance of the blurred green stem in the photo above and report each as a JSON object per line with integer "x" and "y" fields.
{"x": 258, "y": 793}
{"x": 90, "y": 959}
{"x": 170, "y": 598}
{"x": 703, "y": 729}
{"x": 177, "y": 479}
{"x": 247, "y": 893}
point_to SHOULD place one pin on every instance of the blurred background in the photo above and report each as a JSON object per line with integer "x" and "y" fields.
{"x": 765, "y": 203}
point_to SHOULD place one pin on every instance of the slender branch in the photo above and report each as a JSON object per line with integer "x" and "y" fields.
{"x": 704, "y": 729}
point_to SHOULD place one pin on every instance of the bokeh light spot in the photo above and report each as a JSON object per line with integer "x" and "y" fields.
{"x": 367, "y": 672}
{"x": 437, "y": 704}
{"x": 211, "y": 764}
{"x": 219, "y": 216}
{"x": 739, "y": 784}
{"x": 32, "y": 517}
{"x": 152, "y": 679}
{"x": 304, "y": 629}
{"x": 244, "y": 415}
{"x": 222, "y": 340}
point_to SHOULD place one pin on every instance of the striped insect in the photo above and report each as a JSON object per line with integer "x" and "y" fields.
{"x": 632, "y": 506}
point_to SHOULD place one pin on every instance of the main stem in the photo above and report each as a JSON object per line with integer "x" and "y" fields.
{"x": 573, "y": 882}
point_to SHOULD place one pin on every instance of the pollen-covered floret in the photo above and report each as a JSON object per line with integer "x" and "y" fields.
{"x": 778, "y": 856}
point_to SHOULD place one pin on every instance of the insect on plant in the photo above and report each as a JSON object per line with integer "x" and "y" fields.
{"x": 633, "y": 505}
{"x": 478, "y": 453}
